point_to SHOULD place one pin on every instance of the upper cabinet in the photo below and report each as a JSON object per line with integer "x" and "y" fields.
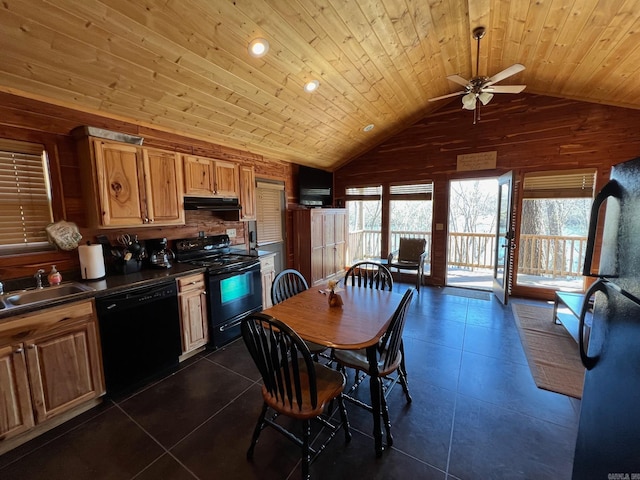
{"x": 129, "y": 185}
{"x": 208, "y": 177}
{"x": 247, "y": 192}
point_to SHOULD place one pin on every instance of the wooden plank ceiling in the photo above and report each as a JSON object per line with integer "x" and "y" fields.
{"x": 182, "y": 65}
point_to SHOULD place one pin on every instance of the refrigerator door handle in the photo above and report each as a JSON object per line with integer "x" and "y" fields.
{"x": 611, "y": 189}
{"x": 599, "y": 285}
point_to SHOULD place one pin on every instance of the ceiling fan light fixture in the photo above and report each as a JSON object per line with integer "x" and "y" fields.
{"x": 485, "y": 97}
{"x": 258, "y": 47}
{"x": 469, "y": 101}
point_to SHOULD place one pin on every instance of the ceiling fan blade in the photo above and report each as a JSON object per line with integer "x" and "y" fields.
{"x": 504, "y": 88}
{"x": 446, "y": 96}
{"x": 507, "y": 72}
{"x": 459, "y": 80}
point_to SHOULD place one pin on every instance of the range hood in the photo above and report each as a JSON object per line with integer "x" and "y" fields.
{"x": 212, "y": 204}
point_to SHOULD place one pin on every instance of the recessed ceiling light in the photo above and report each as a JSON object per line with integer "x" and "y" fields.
{"x": 368, "y": 128}
{"x": 258, "y": 48}
{"x": 311, "y": 86}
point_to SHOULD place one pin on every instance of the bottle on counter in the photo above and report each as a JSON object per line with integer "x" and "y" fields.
{"x": 54, "y": 276}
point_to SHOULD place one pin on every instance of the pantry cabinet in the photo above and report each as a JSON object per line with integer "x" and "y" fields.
{"x": 208, "y": 177}
{"x": 50, "y": 364}
{"x": 320, "y": 243}
{"x": 192, "y": 297}
{"x": 129, "y": 185}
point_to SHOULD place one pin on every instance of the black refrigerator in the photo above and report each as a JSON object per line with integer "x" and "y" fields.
{"x": 608, "y": 443}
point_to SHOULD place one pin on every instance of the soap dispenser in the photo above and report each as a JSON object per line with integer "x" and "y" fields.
{"x": 54, "y": 276}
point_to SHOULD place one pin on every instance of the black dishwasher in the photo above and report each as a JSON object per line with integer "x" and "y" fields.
{"x": 140, "y": 335}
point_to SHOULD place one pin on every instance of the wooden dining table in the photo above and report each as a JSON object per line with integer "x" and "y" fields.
{"x": 359, "y": 323}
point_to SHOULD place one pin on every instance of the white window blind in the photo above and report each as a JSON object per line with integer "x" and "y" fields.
{"x": 417, "y": 191}
{"x": 269, "y": 212}
{"x": 559, "y": 184}
{"x": 25, "y": 200}
{"x": 364, "y": 193}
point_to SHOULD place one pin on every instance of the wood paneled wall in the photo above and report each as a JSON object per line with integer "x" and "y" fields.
{"x": 528, "y": 132}
{"x": 40, "y": 122}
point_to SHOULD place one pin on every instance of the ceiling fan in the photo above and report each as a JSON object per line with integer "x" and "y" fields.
{"x": 482, "y": 88}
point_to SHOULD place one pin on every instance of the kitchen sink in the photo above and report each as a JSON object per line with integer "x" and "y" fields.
{"x": 58, "y": 292}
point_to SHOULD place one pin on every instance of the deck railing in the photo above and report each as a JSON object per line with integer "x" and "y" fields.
{"x": 542, "y": 255}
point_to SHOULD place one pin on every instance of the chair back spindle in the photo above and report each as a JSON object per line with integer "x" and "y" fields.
{"x": 369, "y": 274}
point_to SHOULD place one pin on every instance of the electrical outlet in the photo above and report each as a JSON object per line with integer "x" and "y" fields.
{"x": 231, "y": 232}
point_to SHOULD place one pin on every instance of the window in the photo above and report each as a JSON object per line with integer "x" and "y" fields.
{"x": 411, "y": 209}
{"x": 364, "y": 208}
{"x": 553, "y": 230}
{"x": 269, "y": 212}
{"x": 25, "y": 197}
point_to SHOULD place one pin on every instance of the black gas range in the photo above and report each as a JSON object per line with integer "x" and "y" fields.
{"x": 233, "y": 279}
{"x": 212, "y": 252}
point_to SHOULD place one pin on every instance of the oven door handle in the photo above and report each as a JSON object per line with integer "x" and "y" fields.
{"x": 229, "y": 325}
{"x": 248, "y": 267}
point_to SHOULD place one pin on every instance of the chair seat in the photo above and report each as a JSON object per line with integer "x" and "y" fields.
{"x": 330, "y": 383}
{"x": 315, "y": 348}
{"x": 357, "y": 359}
{"x": 404, "y": 264}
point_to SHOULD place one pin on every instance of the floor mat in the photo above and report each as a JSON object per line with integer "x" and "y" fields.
{"x": 552, "y": 354}
{"x": 466, "y": 292}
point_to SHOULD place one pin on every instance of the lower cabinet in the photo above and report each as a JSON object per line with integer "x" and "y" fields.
{"x": 192, "y": 297}
{"x": 268, "y": 272}
{"x": 49, "y": 364}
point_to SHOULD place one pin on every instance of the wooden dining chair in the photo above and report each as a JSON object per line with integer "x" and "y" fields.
{"x": 369, "y": 274}
{"x": 410, "y": 255}
{"x": 288, "y": 283}
{"x": 293, "y": 384}
{"x": 389, "y": 356}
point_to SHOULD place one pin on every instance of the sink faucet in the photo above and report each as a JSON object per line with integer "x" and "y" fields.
{"x": 38, "y": 277}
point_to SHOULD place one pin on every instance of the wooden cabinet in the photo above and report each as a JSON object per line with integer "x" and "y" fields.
{"x": 16, "y": 415}
{"x": 50, "y": 364}
{"x": 128, "y": 185}
{"x": 268, "y": 272}
{"x": 320, "y": 243}
{"x": 192, "y": 297}
{"x": 247, "y": 192}
{"x": 208, "y": 177}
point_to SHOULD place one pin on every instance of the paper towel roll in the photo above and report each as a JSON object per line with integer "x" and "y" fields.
{"x": 91, "y": 261}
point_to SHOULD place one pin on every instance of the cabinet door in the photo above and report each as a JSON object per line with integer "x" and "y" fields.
{"x": 15, "y": 405}
{"x": 195, "y": 331}
{"x": 198, "y": 176}
{"x": 193, "y": 312}
{"x": 317, "y": 247}
{"x": 247, "y": 193}
{"x": 118, "y": 167}
{"x": 340, "y": 240}
{"x": 163, "y": 188}
{"x": 225, "y": 179}
{"x": 63, "y": 369}
{"x": 268, "y": 272}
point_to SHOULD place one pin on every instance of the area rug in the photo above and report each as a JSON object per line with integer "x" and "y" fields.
{"x": 553, "y": 355}
{"x": 466, "y": 292}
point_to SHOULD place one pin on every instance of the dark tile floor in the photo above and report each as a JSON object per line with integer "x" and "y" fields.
{"x": 476, "y": 414}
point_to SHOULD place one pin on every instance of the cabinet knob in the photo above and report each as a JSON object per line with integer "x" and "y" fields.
{"x": 31, "y": 346}
{"x": 18, "y": 350}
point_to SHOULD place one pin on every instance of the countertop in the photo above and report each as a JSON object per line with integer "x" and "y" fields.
{"x": 111, "y": 284}
{"x": 115, "y": 283}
